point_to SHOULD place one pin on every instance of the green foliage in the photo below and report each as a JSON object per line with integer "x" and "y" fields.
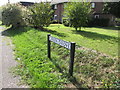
{"x": 14, "y": 14}
{"x": 34, "y": 66}
{"x": 40, "y": 15}
{"x": 66, "y": 22}
{"x": 98, "y": 22}
{"x": 0, "y": 13}
{"x": 77, "y": 13}
{"x": 117, "y": 20}
{"x": 112, "y": 8}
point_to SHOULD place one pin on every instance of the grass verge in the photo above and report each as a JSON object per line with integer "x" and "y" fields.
{"x": 92, "y": 69}
{"x": 34, "y": 67}
{"x": 104, "y": 40}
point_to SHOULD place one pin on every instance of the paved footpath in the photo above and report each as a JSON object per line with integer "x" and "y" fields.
{"x": 7, "y": 61}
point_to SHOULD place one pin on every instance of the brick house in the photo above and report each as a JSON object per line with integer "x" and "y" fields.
{"x": 58, "y": 6}
{"x": 98, "y": 13}
{"x": 97, "y": 8}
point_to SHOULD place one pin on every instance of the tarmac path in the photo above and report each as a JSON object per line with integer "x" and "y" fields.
{"x": 7, "y": 61}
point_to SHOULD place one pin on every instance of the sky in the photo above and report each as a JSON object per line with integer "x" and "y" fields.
{"x": 3, "y": 2}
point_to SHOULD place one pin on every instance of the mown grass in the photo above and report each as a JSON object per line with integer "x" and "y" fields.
{"x": 96, "y": 59}
{"x": 34, "y": 66}
{"x": 91, "y": 68}
{"x": 104, "y": 40}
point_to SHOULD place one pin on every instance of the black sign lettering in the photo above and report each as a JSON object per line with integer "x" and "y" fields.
{"x": 60, "y": 42}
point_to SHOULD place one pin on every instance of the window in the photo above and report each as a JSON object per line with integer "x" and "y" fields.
{"x": 93, "y": 5}
{"x": 55, "y": 17}
{"x": 55, "y": 6}
{"x": 96, "y": 16}
{"x": 112, "y": 18}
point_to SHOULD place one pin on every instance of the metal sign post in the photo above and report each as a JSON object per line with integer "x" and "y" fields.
{"x": 48, "y": 45}
{"x": 68, "y": 45}
{"x": 72, "y": 54}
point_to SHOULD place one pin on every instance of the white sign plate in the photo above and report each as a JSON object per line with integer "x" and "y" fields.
{"x": 60, "y": 42}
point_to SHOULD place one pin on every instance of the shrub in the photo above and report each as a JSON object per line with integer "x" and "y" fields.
{"x": 117, "y": 20}
{"x": 56, "y": 22}
{"x": 98, "y": 22}
{"x": 0, "y": 13}
{"x": 14, "y": 14}
{"x": 77, "y": 13}
{"x": 40, "y": 15}
{"x": 66, "y": 22}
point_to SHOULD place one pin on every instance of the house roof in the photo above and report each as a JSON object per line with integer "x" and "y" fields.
{"x": 26, "y": 3}
{"x": 58, "y": 1}
{"x": 63, "y": 1}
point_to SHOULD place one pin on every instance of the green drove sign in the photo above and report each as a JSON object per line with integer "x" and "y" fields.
{"x": 68, "y": 45}
{"x": 60, "y": 42}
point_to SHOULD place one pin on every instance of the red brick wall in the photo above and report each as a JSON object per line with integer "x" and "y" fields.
{"x": 60, "y": 8}
{"x": 97, "y": 11}
{"x": 59, "y": 11}
{"x": 98, "y": 7}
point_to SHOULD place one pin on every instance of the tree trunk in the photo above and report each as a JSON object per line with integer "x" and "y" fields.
{"x": 76, "y": 28}
{"x": 80, "y": 28}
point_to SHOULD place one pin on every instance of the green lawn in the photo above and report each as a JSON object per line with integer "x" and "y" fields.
{"x": 100, "y": 39}
{"x": 91, "y": 69}
{"x": 34, "y": 67}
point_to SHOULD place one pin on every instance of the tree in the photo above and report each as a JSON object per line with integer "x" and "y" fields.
{"x": 112, "y": 8}
{"x": 0, "y": 13}
{"x": 14, "y": 14}
{"x": 77, "y": 13}
{"x": 40, "y": 15}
